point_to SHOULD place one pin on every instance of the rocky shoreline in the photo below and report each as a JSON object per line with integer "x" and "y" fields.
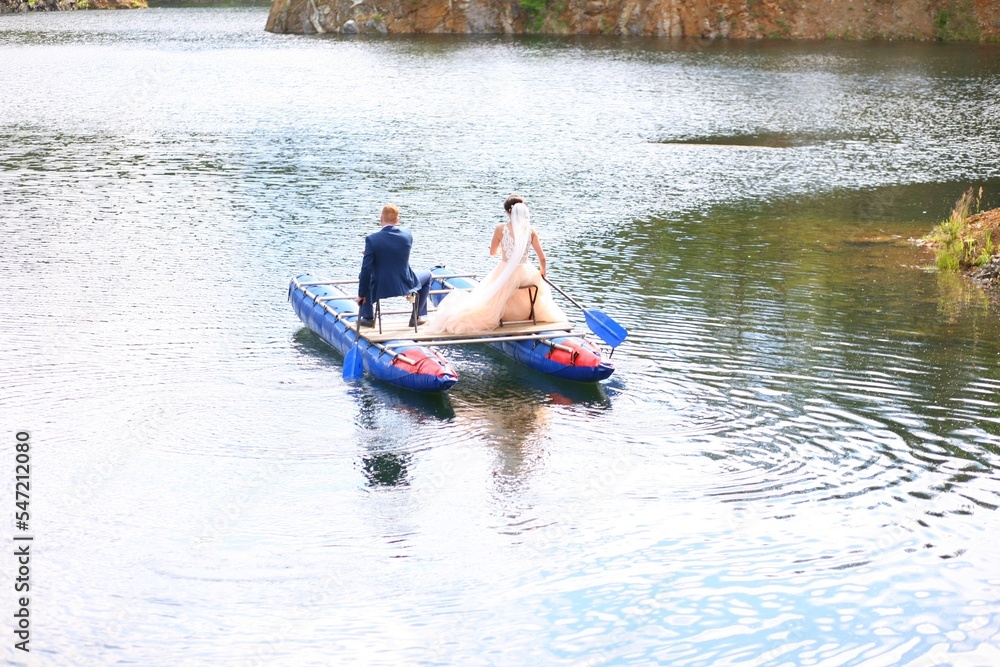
{"x": 987, "y": 276}
{"x": 959, "y": 20}
{"x": 21, "y": 6}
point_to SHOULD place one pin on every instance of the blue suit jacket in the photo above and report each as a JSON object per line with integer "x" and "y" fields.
{"x": 385, "y": 269}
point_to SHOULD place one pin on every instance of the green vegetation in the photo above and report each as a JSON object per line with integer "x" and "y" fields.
{"x": 941, "y": 23}
{"x": 537, "y": 11}
{"x": 534, "y": 12}
{"x": 957, "y": 243}
{"x": 957, "y": 22}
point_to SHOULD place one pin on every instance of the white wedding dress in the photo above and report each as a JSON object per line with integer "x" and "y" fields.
{"x": 499, "y": 295}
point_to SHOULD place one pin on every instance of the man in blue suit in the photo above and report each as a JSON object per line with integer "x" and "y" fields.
{"x": 386, "y": 272}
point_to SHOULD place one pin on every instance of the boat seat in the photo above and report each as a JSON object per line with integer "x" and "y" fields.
{"x": 412, "y": 309}
{"x": 532, "y": 295}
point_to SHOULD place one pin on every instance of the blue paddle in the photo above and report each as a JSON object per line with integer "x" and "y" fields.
{"x": 354, "y": 366}
{"x": 599, "y": 322}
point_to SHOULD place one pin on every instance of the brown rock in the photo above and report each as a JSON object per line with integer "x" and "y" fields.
{"x": 712, "y": 19}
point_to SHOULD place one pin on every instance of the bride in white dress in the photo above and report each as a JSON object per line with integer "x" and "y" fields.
{"x": 499, "y": 295}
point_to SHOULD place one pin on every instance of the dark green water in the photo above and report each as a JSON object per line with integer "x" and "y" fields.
{"x": 795, "y": 462}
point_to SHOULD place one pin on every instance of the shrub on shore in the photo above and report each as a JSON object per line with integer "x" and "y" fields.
{"x": 966, "y": 238}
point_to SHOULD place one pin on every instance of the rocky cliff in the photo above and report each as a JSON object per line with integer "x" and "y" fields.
{"x": 972, "y": 20}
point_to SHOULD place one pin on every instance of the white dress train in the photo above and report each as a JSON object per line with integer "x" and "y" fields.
{"x": 498, "y": 296}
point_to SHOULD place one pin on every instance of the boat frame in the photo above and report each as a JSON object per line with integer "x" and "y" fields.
{"x": 517, "y": 339}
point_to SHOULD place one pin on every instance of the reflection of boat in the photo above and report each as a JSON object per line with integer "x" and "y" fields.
{"x": 547, "y": 388}
{"x": 402, "y": 357}
{"x": 331, "y": 314}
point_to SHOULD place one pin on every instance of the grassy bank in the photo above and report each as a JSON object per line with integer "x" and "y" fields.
{"x": 969, "y": 238}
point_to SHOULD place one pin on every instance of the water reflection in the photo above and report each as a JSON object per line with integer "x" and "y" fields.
{"x": 501, "y": 405}
{"x": 307, "y": 342}
{"x": 957, "y": 298}
{"x": 388, "y": 419}
{"x": 757, "y": 140}
{"x": 386, "y": 469}
{"x": 595, "y": 396}
{"x": 514, "y": 427}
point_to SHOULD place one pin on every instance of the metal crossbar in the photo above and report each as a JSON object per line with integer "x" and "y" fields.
{"x": 396, "y": 312}
{"x": 544, "y": 338}
{"x": 342, "y": 318}
{"x": 414, "y": 303}
{"x": 532, "y": 295}
{"x": 313, "y": 283}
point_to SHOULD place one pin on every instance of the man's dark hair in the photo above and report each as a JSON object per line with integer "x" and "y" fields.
{"x": 511, "y": 200}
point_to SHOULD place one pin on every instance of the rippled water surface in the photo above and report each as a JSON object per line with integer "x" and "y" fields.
{"x": 794, "y": 464}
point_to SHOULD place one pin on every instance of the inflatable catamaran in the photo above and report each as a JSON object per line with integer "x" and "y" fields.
{"x": 402, "y": 356}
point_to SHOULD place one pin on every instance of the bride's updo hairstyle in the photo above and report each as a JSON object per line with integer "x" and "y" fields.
{"x": 511, "y": 200}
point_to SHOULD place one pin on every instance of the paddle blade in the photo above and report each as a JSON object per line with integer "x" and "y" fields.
{"x": 354, "y": 366}
{"x": 606, "y": 328}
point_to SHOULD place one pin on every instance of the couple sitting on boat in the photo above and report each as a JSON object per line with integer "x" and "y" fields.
{"x": 386, "y": 272}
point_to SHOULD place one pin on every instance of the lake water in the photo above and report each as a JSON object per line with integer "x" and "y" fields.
{"x": 796, "y": 462}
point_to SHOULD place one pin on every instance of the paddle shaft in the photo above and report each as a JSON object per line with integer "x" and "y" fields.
{"x": 572, "y": 300}
{"x": 599, "y": 322}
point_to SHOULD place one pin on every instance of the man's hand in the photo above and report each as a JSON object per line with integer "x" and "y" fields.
{"x": 361, "y": 300}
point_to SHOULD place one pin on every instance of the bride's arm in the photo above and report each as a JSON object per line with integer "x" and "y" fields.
{"x": 495, "y": 243}
{"x": 536, "y": 243}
